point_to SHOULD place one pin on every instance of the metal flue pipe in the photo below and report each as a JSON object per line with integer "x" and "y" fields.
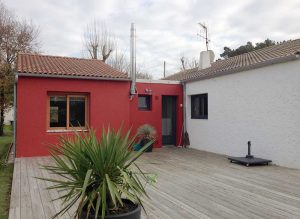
{"x": 132, "y": 59}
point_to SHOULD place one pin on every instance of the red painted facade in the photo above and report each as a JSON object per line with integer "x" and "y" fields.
{"x": 154, "y": 117}
{"x": 108, "y": 104}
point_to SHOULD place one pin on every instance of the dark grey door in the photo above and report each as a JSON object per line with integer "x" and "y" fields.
{"x": 169, "y": 120}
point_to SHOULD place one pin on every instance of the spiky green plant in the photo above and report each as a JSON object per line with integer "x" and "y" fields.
{"x": 97, "y": 173}
{"x": 146, "y": 131}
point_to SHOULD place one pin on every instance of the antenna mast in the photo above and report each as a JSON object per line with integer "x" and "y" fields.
{"x": 205, "y": 37}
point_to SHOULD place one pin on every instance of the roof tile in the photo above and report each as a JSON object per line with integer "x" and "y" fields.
{"x": 238, "y": 63}
{"x": 65, "y": 66}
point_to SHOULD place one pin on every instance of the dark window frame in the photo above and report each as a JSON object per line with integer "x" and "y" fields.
{"x": 68, "y": 96}
{"x": 148, "y": 102}
{"x": 203, "y": 106}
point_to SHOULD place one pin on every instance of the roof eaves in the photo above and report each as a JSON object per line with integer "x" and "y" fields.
{"x": 222, "y": 72}
{"x": 72, "y": 77}
{"x": 159, "y": 81}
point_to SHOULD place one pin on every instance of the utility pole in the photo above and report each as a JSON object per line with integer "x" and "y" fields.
{"x": 164, "y": 69}
{"x": 205, "y": 37}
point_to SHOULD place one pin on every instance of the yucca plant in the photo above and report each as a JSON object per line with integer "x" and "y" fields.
{"x": 98, "y": 174}
{"x": 146, "y": 133}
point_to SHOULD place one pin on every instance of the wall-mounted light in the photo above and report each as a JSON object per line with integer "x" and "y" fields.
{"x": 148, "y": 91}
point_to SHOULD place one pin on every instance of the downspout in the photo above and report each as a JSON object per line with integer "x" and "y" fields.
{"x": 132, "y": 61}
{"x": 184, "y": 112}
{"x": 15, "y": 116}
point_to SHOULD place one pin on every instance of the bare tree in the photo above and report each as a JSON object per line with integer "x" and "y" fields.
{"x": 118, "y": 60}
{"x": 182, "y": 60}
{"x": 15, "y": 36}
{"x": 99, "y": 42}
{"x": 187, "y": 63}
{"x": 143, "y": 75}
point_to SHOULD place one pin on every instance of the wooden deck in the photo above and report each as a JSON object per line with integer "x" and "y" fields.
{"x": 191, "y": 184}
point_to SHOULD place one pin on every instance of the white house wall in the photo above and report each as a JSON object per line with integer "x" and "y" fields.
{"x": 9, "y": 116}
{"x": 260, "y": 105}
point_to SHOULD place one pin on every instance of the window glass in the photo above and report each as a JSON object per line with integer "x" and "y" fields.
{"x": 58, "y": 110}
{"x": 77, "y": 111}
{"x": 199, "y": 106}
{"x": 196, "y": 106}
{"x": 67, "y": 111}
{"x": 144, "y": 102}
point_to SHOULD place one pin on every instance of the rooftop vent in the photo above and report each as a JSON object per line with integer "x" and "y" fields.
{"x": 206, "y": 58}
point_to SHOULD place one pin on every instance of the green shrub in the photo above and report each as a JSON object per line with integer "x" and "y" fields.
{"x": 98, "y": 173}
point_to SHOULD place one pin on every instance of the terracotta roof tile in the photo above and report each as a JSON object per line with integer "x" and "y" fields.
{"x": 32, "y": 64}
{"x": 239, "y": 63}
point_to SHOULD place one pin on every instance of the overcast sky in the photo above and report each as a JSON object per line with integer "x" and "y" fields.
{"x": 166, "y": 30}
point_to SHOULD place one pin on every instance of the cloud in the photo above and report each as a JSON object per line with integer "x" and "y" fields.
{"x": 165, "y": 29}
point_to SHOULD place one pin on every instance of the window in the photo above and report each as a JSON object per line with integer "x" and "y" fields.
{"x": 67, "y": 111}
{"x": 144, "y": 102}
{"x": 199, "y": 106}
{"x": 77, "y": 111}
{"x": 58, "y": 111}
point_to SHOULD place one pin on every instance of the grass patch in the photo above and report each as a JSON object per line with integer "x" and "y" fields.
{"x": 5, "y": 141}
{"x": 6, "y": 173}
{"x": 5, "y": 187}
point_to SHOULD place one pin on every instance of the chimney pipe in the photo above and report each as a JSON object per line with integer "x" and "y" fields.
{"x": 206, "y": 58}
{"x": 132, "y": 59}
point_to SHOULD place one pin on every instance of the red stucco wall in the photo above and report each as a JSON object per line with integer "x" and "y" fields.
{"x": 109, "y": 104}
{"x": 154, "y": 116}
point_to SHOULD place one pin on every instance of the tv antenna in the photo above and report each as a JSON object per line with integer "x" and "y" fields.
{"x": 205, "y": 36}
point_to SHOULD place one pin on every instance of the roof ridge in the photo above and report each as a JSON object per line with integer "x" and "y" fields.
{"x": 265, "y": 48}
{"x": 56, "y": 56}
{"x": 278, "y": 44}
{"x": 37, "y": 64}
{"x": 244, "y": 54}
{"x": 266, "y": 54}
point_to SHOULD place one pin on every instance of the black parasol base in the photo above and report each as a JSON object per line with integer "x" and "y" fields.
{"x": 249, "y": 160}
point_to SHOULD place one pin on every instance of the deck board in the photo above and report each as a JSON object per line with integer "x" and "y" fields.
{"x": 191, "y": 184}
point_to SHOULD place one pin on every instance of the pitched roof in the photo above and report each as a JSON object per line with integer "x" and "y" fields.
{"x": 274, "y": 54}
{"x": 55, "y": 66}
